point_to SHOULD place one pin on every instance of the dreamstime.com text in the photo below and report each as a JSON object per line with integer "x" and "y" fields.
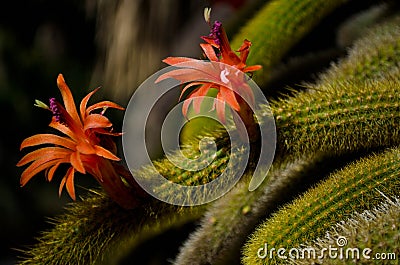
{"x": 340, "y": 251}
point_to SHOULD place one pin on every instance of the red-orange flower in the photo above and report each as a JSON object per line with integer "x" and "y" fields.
{"x": 87, "y": 146}
{"x": 216, "y": 49}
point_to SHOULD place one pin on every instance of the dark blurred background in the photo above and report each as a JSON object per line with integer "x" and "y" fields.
{"x": 115, "y": 44}
{"x": 38, "y": 40}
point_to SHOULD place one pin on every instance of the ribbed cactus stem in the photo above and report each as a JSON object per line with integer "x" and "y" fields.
{"x": 349, "y": 190}
{"x": 228, "y": 222}
{"x": 375, "y": 231}
{"x": 339, "y": 118}
{"x": 277, "y": 27}
{"x": 97, "y": 231}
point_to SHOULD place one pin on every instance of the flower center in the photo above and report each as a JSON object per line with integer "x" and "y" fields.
{"x": 216, "y": 32}
{"x": 54, "y": 109}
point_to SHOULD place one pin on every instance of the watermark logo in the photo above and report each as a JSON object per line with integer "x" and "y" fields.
{"x": 144, "y": 101}
{"x": 339, "y": 251}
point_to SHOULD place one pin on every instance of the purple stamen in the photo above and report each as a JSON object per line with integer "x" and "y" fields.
{"x": 54, "y": 109}
{"x": 216, "y": 32}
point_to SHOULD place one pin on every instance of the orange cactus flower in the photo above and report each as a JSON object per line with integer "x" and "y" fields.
{"x": 87, "y": 146}
{"x": 216, "y": 49}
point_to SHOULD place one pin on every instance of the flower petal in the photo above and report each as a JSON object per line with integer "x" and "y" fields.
{"x": 101, "y": 151}
{"x": 70, "y": 183}
{"x": 106, "y": 132}
{"x": 52, "y": 170}
{"x": 85, "y": 148}
{"x": 183, "y": 75}
{"x": 76, "y": 162}
{"x": 247, "y": 94}
{"x": 199, "y": 95}
{"x": 208, "y": 72}
{"x": 252, "y": 68}
{"x": 67, "y": 98}
{"x": 185, "y": 106}
{"x": 220, "y": 108}
{"x": 244, "y": 50}
{"x": 74, "y": 125}
{"x": 85, "y": 100}
{"x": 229, "y": 97}
{"x": 40, "y": 139}
{"x": 44, "y": 154}
{"x": 194, "y": 71}
{"x": 103, "y": 104}
{"x": 64, "y": 179}
{"x": 36, "y": 167}
{"x": 64, "y": 129}
{"x": 69, "y": 180}
{"x": 209, "y": 52}
{"x": 230, "y": 58}
{"x": 211, "y": 41}
{"x": 177, "y": 60}
{"x": 203, "y": 90}
{"x": 188, "y": 86}
{"x": 96, "y": 121}
{"x": 197, "y": 104}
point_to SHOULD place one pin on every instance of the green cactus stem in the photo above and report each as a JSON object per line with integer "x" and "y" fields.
{"x": 277, "y": 27}
{"x": 96, "y": 230}
{"x": 377, "y": 229}
{"x": 228, "y": 222}
{"x": 349, "y": 190}
{"x": 339, "y": 118}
